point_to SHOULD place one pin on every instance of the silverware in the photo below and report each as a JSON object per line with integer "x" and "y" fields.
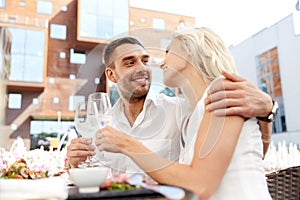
{"x": 77, "y": 133}
{"x": 170, "y": 192}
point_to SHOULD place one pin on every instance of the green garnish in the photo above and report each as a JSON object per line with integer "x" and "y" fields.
{"x": 121, "y": 186}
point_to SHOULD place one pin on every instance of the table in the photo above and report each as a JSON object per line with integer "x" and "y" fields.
{"x": 105, "y": 194}
{"x": 128, "y": 194}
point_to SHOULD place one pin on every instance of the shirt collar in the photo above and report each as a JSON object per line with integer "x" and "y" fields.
{"x": 151, "y": 97}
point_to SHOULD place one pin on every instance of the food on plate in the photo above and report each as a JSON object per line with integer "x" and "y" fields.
{"x": 118, "y": 182}
{"x": 20, "y": 170}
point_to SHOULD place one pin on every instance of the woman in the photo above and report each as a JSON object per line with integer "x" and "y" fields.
{"x": 221, "y": 157}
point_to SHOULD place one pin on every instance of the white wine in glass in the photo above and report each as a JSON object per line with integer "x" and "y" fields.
{"x": 100, "y": 107}
{"x": 86, "y": 125}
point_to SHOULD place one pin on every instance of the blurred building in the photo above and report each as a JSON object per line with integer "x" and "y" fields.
{"x": 270, "y": 59}
{"x": 51, "y": 56}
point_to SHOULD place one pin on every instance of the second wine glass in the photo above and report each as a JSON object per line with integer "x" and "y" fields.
{"x": 100, "y": 107}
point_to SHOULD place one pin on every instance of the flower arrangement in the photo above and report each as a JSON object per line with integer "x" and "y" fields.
{"x": 282, "y": 157}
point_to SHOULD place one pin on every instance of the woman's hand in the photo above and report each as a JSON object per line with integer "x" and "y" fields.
{"x": 237, "y": 96}
{"x": 112, "y": 140}
{"x": 79, "y": 149}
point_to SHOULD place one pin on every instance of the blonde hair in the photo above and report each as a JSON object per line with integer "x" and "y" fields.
{"x": 208, "y": 53}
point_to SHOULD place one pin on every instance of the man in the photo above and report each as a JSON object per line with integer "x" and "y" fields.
{"x": 155, "y": 119}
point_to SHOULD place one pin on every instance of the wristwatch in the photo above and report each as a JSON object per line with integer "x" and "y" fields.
{"x": 272, "y": 115}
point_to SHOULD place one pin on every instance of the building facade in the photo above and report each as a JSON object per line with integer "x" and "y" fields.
{"x": 53, "y": 57}
{"x": 270, "y": 59}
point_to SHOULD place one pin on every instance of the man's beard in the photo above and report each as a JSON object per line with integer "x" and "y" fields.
{"x": 132, "y": 91}
{"x": 132, "y": 96}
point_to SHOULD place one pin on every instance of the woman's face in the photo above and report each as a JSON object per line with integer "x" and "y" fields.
{"x": 174, "y": 64}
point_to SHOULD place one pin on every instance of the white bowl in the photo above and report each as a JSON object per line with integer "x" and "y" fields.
{"x": 88, "y": 179}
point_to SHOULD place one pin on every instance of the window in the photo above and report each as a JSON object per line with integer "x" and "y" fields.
{"x": 181, "y": 25}
{"x": 74, "y": 100}
{"x": 119, "y": 26}
{"x": 108, "y": 23}
{"x": 64, "y": 8}
{"x": 55, "y": 100}
{"x": 51, "y": 80}
{"x": 102, "y": 19}
{"x": 131, "y": 23}
{"x": 14, "y": 127}
{"x": 2, "y": 3}
{"x": 22, "y": 3}
{"x": 43, "y": 132}
{"x": 12, "y": 20}
{"x": 14, "y": 101}
{"x": 72, "y": 76}
{"x": 269, "y": 81}
{"x": 35, "y": 101}
{"x": 97, "y": 80}
{"x": 62, "y": 54}
{"x": 77, "y": 57}
{"x": 58, "y": 31}
{"x": 38, "y": 126}
{"x": 158, "y": 23}
{"x": 44, "y": 7}
{"x": 88, "y": 27}
{"x": 143, "y": 20}
{"x": 27, "y": 55}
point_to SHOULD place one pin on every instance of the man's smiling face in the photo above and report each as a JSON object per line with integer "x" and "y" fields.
{"x": 131, "y": 70}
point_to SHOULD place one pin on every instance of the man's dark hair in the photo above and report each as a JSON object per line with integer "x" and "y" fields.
{"x": 109, "y": 49}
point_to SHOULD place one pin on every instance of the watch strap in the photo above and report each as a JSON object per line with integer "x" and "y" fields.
{"x": 272, "y": 115}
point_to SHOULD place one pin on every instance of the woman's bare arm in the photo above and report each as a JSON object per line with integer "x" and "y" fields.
{"x": 210, "y": 161}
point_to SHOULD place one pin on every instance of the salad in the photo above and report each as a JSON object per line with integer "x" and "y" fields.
{"x": 20, "y": 170}
{"x": 118, "y": 182}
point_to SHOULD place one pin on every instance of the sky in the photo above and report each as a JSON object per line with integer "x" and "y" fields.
{"x": 233, "y": 20}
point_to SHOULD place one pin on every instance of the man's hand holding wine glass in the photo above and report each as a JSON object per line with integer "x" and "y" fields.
{"x": 91, "y": 116}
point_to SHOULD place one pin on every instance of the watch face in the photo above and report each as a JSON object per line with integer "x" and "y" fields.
{"x": 273, "y": 114}
{"x": 275, "y": 108}
{"x": 271, "y": 117}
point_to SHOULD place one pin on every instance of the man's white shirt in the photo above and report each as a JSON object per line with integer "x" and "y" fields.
{"x": 158, "y": 127}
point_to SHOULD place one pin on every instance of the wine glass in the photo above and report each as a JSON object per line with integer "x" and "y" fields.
{"x": 100, "y": 107}
{"x": 86, "y": 125}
